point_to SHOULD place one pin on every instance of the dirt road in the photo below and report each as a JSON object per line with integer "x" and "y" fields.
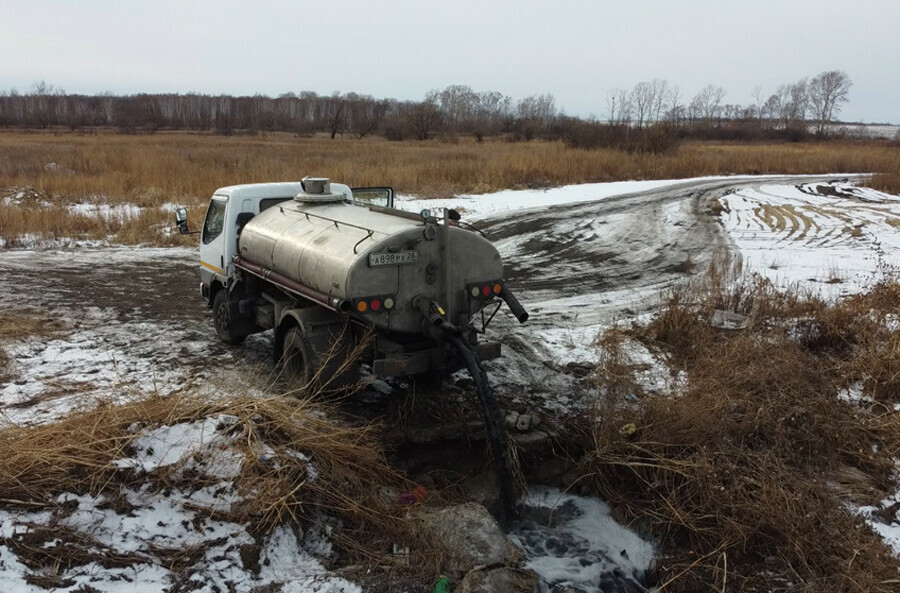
{"x": 582, "y": 267}
{"x": 134, "y": 322}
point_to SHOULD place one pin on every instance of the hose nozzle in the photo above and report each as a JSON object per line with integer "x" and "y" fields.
{"x": 514, "y": 305}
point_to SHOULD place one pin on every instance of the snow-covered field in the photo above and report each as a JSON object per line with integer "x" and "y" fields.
{"x": 581, "y": 258}
{"x": 836, "y": 239}
{"x": 481, "y": 206}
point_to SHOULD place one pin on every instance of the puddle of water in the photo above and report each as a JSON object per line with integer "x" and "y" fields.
{"x": 574, "y": 546}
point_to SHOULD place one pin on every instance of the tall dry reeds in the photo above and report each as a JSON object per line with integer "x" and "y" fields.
{"x": 164, "y": 168}
{"x": 747, "y": 471}
{"x": 147, "y": 170}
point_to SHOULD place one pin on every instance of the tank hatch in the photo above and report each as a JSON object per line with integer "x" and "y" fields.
{"x": 317, "y": 190}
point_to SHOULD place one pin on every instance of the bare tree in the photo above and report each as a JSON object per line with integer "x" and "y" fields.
{"x": 337, "y": 118}
{"x": 424, "y": 117}
{"x": 827, "y": 92}
{"x": 796, "y": 104}
{"x": 758, "y": 98}
{"x": 490, "y": 109}
{"x": 675, "y": 112}
{"x": 660, "y": 94}
{"x": 619, "y": 105}
{"x": 537, "y": 108}
{"x": 40, "y": 102}
{"x": 366, "y": 115}
{"x": 707, "y": 103}
{"x": 457, "y": 102}
{"x": 641, "y": 102}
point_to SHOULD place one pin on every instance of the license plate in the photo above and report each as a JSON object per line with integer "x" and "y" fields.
{"x": 393, "y": 259}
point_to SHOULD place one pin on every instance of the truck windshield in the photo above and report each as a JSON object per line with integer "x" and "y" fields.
{"x": 215, "y": 221}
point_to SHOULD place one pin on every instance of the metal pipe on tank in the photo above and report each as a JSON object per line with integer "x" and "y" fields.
{"x": 334, "y": 303}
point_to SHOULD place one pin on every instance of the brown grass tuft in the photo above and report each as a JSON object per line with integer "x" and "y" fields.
{"x": 25, "y": 323}
{"x": 886, "y": 182}
{"x": 746, "y": 472}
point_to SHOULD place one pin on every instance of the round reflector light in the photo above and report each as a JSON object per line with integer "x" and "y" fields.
{"x": 361, "y": 306}
{"x": 497, "y": 289}
{"x": 388, "y": 303}
{"x": 475, "y": 291}
{"x": 376, "y": 304}
{"x": 486, "y": 290}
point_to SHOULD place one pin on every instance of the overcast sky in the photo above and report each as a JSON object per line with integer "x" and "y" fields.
{"x": 576, "y": 50}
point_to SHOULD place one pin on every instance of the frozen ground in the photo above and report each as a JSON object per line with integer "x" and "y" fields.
{"x": 834, "y": 239}
{"x": 133, "y": 326}
{"x": 141, "y": 540}
{"x": 581, "y": 258}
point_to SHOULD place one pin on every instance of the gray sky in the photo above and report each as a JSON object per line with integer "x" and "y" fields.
{"x": 576, "y": 50}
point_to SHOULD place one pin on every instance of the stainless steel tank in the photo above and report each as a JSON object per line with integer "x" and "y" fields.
{"x": 372, "y": 256}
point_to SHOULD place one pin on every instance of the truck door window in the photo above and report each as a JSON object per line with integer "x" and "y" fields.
{"x": 215, "y": 221}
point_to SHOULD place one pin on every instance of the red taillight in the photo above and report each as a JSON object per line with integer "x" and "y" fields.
{"x": 375, "y": 304}
{"x": 486, "y": 290}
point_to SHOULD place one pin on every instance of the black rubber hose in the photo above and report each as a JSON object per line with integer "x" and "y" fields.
{"x": 493, "y": 421}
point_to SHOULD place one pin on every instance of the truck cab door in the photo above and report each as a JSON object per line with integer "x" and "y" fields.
{"x": 373, "y": 196}
{"x": 214, "y": 244}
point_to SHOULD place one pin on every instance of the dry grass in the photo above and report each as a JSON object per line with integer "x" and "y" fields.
{"x": 746, "y": 473}
{"x": 186, "y": 168}
{"x": 20, "y": 324}
{"x": 886, "y": 182}
{"x": 76, "y": 455}
{"x": 26, "y": 323}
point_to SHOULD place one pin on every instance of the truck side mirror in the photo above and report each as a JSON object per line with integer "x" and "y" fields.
{"x": 181, "y": 221}
{"x": 373, "y": 196}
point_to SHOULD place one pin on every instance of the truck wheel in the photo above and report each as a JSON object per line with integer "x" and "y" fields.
{"x": 222, "y": 319}
{"x": 297, "y": 355}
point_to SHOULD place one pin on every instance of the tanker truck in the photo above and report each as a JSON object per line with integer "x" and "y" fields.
{"x": 338, "y": 271}
{"x": 344, "y": 278}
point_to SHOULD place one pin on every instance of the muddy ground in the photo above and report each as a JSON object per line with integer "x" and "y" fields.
{"x": 134, "y": 322}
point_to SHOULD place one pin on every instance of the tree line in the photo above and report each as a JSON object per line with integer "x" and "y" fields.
{"x": 636, "y": 114}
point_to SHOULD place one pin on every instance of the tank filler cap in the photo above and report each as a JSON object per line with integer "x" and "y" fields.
{"x": 317, "y": 190}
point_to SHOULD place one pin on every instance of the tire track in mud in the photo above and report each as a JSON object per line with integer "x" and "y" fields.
{"x": 588, "y": 265}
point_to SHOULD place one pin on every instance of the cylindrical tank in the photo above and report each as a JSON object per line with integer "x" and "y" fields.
{"x": 361, "y": 254}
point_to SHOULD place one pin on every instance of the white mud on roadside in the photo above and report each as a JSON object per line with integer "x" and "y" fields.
{"x": 574, "y": 545}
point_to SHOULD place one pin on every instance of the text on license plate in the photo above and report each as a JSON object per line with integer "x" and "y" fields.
{"x": 393, "y": 259}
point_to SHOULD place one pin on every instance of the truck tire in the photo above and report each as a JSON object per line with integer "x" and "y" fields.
{"x": 222, "y": 319}
{"x": 297, "y": 355}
